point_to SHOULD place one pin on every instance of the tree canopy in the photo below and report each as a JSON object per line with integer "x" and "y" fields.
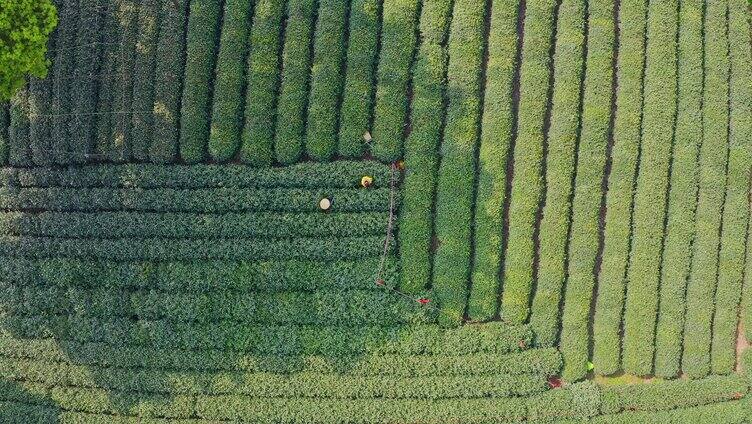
{"x": 25, "y": 26}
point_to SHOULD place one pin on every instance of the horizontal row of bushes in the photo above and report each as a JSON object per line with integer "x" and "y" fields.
{"x": 568, "y": 65}
{"x": 732, "y": 412}
{"x": 712, "y": 187}
{"x": 418, "y": 339}
{"x": 201, "y": 201}
{"x": 172, "y": 225}
{"x": 202, "y": 276}
{"x": 183, "y": 249}
{"x": 535, "y": 361}
{"x": 343, "y": 174}
{"x": 269, "y": 385}
{"x": 345, "y": 307}
{"x": 586, "y": 204}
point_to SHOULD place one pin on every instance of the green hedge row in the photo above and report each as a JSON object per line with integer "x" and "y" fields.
{"x": 456, "y": 177}
{"x": 580, "y": 400}
{"x": 626, "y": 135}
{"x": 495, "y": 139}
{"x": 229, "y": 80}
{"x": 202, "y": 276}
{"x": 282, "y": 340}
{"x": 293, "y": 92}
{"x": 83, "y": 82}
{"x": 110, "y": 30}
{"x": 562, "y": 144}
{"x": 120, "y": 143}
{"x": 4, "y": 136}
{"x": 398, "y": 41}
{"x": 345, "y": 307}
{"x": 541, "y": 362}
{"x": 734, "y": 412}
{"x": 527, "y": 188}
{"x": 680, "y": 230}
{"x": 19, "y": 152}
{"x": 64, "y": 66}
{"x": 712, "y": 172}
{"x": 218, "y": 201}
{"x": 168, "y": 81}
{"x": 144, "y": 73}
{"x": 357, "y": 97}
{"x": 421, "y": 147}
{"x": 737, "y": 208}
{"x": 667, "y": 395}
{"x": 650, "y": 201}
{"x": 263, "y": 81}
{"x": 326, "y": 80}
{"x": 41, "y": 101}
{"x": 586, "y": 204}
{"x": 181, "y": 225}
{"x": 201, "y": 49}
{"x": 180, "y": 249}
{"x": 367, "y": 411}
{"x": 269, "y": 385}
{"x": 341, "y": 174}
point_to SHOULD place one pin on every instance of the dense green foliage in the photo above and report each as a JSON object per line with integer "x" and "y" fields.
{"x": 421, "y": 157}
{"x": 398, "y": 211}
{"x": 527, "y": 189}
{"x": 25, "y": 26}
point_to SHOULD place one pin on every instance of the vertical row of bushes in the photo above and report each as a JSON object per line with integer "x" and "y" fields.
{"x": 713, "y": 156}
{"x": 263, "y": 70}
{"x": 19, "y": 153}
{"x": 357, "y": 98}
{"x": 293, "y": 93}
{"x": 4, "y": 139}
{"x": 421, "y": 147}
{"x": 562, "y": 146}
{"x": 495, "y": 139}
{"x": 736, "y": 209}
{"x": 229, "y": 80}
{"x": 61, "y": 72}
{"x": 201, "y": 49}
{"x": 168, "y": 81}
{"x": 326, "y": 79}
{"x": 397, "y": 45}
{"x": 40, "y": 130}
{"x": 108, "y": 69}
{"x": 659, "y": 114}
{"x": 591, "y": 160}
{"x": 677, "y": 252}
{"x": 143, "y": 72}
{"x": 83, "y": 82}
{"x": 454, "y": 199}
{"x": 121, "y": 141}
{"x": 626, "y": 134}
{"x": 527, "y": 188}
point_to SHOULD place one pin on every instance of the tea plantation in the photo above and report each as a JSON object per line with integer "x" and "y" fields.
{"x": 380, "y": 211}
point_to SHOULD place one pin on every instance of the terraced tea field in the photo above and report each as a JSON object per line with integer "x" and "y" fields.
{"x": 380, "y": 211}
